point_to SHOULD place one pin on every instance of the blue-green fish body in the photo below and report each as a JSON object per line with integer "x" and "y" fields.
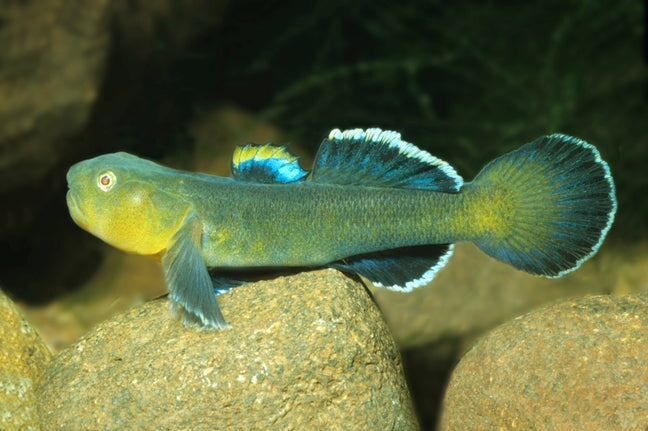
{"x": 373, "y": 205}
{"x": 310, "y": 224}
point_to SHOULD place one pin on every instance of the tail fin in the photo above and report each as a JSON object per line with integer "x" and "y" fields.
{"x": 554, "y": 201}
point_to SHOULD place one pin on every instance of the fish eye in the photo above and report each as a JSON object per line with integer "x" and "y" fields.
{"x": 106, "y": 181}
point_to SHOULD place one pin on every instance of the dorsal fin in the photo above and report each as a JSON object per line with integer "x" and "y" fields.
{"x": 265, "y": 163}
{"x": 380, "y": 158}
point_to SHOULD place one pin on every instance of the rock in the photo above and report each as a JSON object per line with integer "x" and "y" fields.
{"x": 78, "y": 79}
{"x": 122, "y": 281}
{"x": 53, "y": 63}
{"x": 141, "y": 26}
{"x": 51, "y": 67}
{"x": 580, "y": 364}
{"x": 474, "y": 293}
{"x": 309, "y": 351}
{"x": 23, "y": 357}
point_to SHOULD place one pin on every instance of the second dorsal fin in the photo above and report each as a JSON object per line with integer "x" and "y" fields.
{"x": 265, "y": 163}
{"x": 378, "y": 157}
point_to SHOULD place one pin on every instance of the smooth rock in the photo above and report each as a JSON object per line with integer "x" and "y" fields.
{"x": 23, "y": 357}
{"x": 436, "y": 324}
{"x": 474, "y": 293}
{"x": 577, "y": 365}
{"x": 141, "y": 25}
{"x": 51, "y": 67}
{"x": 309, "y": 351}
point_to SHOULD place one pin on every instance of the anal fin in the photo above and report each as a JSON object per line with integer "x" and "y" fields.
{"x": 401, "y": 269}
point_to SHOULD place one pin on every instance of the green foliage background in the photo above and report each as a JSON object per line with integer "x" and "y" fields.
{"x": 466, "y": 80}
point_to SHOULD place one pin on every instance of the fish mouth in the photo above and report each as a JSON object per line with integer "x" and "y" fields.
{"x": 76, "y": 212}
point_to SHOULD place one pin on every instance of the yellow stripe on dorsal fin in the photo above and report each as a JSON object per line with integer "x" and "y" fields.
{"x": 266, "y": 163}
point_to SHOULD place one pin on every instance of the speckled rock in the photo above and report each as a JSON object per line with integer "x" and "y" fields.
{"x": 474, "y": 293}
{"x": 577, "y": 365}
{"x": 309, "y": 351}
{"x": 23, "y": 356}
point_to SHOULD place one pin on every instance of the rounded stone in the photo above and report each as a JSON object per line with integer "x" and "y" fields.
{"x": 23, "y": 357}
{"x": 309, "y": 351}
{"x": 51, "y": 68}
{"x": 580, "y": 364}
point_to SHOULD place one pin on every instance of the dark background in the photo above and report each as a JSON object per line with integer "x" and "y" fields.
{"x": 466, "y": 80}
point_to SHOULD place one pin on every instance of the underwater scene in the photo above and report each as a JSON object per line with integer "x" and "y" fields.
{"x": 374, "y": 215}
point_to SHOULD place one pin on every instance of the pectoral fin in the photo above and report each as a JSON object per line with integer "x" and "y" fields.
{"x": 191, "y": 291}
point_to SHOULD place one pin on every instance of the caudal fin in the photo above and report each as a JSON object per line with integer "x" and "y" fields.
{"x": 553, "y": 201}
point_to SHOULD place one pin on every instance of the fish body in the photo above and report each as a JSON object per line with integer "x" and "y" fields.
{"x": 373, "y": 205}
{"x": 310, "y": 224}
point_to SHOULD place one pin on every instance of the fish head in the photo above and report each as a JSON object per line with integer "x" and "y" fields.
{"x": 116, "y": 197}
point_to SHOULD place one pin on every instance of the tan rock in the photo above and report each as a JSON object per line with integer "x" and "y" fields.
{"x": 577, "y": 365}
{"x": 474, "y": 293}
{"x": 310, "y": 351}
{"x": 51, "y": 68}
{"x": 23, "y": 356}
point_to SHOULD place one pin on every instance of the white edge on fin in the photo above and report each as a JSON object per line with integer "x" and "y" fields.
{"x": 608, "y": 176}
{"x": 393, "y": 140}
{"x": 422, "y": 280}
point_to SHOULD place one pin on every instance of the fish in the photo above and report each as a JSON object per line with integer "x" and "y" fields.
{"x": 372, "y": 205}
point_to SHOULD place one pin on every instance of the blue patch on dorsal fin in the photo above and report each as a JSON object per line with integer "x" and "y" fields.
{"x": 401, "y": 269}
{"x": 378, "y": 157}
{"x": 266, "y": 164}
